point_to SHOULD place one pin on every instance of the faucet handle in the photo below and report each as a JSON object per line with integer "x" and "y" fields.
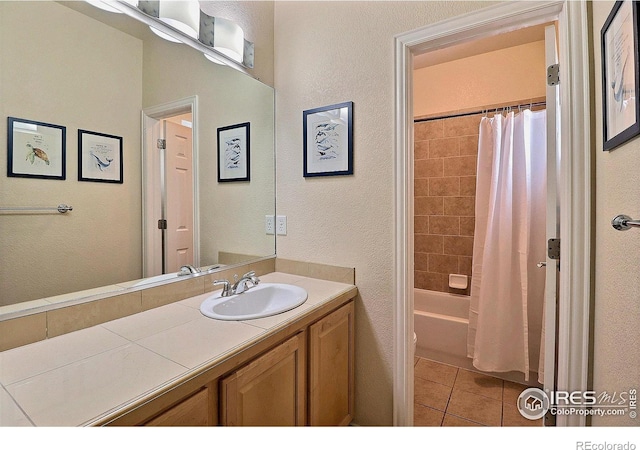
{"x": 250, "y": 274}
{"x": 226, "y": 287}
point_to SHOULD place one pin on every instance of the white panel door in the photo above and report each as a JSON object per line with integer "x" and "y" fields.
{"x": 179, "y": 197}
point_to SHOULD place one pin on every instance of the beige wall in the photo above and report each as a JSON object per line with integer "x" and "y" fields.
{"x": 323, "y": 56}
{"x": 616, "y": 361}
{"x": 48, "y": 75}
{"x": 514, "y": 73}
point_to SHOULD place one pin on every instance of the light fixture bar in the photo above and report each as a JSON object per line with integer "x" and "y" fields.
{"x": 133, "y": 11}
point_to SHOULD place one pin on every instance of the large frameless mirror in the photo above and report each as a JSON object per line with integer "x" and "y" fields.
{"x": 103, "y": 77}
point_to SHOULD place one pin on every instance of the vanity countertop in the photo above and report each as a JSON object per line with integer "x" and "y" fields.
{"x": 77, "y": 378}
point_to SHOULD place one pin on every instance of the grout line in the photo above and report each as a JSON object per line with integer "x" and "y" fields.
{"x": 451, "y": 393}
{"x": 501, "y": 401}
{"x": 472, "y": 421}
{"x": 27, "y": 416}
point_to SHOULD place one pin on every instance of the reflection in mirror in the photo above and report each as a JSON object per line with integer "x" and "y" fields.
{"x": 92, "y": 70}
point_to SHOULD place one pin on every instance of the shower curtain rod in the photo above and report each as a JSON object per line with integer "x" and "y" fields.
{"x": 482, "y": 111}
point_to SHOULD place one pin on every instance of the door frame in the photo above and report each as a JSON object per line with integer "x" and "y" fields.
{"x": 575, "y": 294}
{"x": 159, "y": 112}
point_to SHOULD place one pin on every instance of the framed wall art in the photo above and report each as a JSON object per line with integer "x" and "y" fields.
{"x": 620, "y": 75}
{"x": 328, "y": 140}
{"x": 233, "y": 153}
{"x": 36, "y": 149}
{"x": 99, "y": 157}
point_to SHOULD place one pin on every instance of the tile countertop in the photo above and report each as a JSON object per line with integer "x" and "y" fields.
{"x": 76, "y": 378}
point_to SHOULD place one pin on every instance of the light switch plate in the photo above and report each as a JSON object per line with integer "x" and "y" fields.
{"x": 281, "y": 225}
{"x": 269, "y": 224}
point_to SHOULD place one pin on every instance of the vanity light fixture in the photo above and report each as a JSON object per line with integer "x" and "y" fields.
{"x": 226, "y": 37}
{"x": 183, "y": 15}
{"x": 181, "y": 21}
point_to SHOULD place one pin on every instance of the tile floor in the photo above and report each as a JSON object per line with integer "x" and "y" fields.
{"x": 448, "y": 396}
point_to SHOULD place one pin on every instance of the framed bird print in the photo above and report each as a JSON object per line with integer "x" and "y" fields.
{"x": 35, "y": 149}
{"x": 99, "y": 157}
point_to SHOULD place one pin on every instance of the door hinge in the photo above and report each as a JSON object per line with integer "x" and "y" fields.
{"x": 162, "y": 224}
{"x": 553, "y": 74}
{"x": 553, "y": 248}
{"x": 162, "y": 144}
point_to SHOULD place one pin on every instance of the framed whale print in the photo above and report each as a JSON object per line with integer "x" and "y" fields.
{"x": 99, "y": 157}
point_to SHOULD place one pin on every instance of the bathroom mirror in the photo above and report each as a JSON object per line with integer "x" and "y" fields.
{"x": 90, "y": 70}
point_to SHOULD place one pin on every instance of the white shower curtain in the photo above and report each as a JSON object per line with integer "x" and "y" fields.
{"x": 507, "y": 289}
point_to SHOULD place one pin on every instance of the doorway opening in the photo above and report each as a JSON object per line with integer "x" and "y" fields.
{"x": 170, "y": 187}
{"x": 481, "y": 195}
{"x": 574, "y": 188}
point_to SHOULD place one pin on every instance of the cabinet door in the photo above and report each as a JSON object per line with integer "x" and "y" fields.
{"x": 268, "y": 391}
{"x": 331, "y": 368}
{"x": 194, "y": 411}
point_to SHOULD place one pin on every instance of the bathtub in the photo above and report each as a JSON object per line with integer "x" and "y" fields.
{"x": 441, "y": 321}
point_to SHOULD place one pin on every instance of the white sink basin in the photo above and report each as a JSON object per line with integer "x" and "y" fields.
{"x": 263, "y": 300}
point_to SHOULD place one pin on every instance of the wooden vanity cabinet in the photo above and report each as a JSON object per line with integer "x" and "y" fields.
{"x": 306, "y": 379}
{"x": 270, "y": 390}
{"x": 331, "y": 368}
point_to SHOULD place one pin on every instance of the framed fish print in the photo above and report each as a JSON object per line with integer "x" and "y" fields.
{"x": 328, "y": 140}
{"x": 99, "y": 157}
{"x": 36, "y": 149}
{"x": 234, "y": 153}
{"x": 620, "y": 75}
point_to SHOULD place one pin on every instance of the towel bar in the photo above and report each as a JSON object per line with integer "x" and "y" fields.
{"x": 61, "y": 208}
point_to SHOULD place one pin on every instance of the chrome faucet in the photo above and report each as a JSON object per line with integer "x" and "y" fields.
{"x": 239, "y": 286}
{"x": 188, "y": 270}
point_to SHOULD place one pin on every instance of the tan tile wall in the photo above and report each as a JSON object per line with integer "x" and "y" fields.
{"x": 445, "y": 157}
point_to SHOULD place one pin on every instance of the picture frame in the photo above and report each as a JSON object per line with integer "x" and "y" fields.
{"x": 36, "y": 149}
{"x": 100, "y": 157}
{"x": 328, "y": 140}
{"x": 234, "y": 162}
{"x": 620, "y": 75}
